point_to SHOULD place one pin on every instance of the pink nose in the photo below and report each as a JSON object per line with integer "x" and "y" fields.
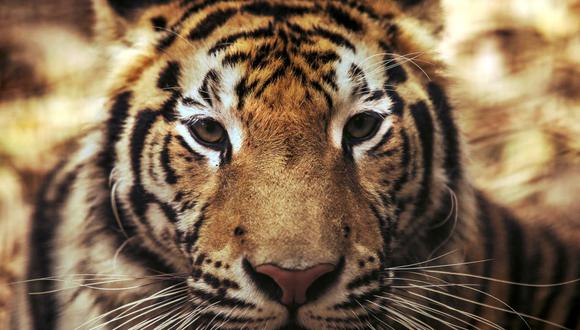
{"x": 294, "y": 283}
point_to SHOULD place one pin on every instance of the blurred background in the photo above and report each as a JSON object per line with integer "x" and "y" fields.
{"x": 515, "y": 66}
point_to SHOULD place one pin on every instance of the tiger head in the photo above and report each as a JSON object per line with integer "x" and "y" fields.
{"x": 281, "y": 154}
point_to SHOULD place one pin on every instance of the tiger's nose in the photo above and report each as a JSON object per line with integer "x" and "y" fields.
{"x": 295, "y": 283}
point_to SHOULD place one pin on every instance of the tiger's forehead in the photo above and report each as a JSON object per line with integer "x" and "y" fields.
{"x": 299, "y": 59}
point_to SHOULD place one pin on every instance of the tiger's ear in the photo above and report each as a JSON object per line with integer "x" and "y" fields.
{"x": 114, "y": 18}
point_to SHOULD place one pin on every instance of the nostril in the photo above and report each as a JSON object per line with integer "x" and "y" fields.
{"x": 294, "y": 287}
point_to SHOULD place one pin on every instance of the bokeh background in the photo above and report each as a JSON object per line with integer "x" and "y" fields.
{"x": 515, "y": 65}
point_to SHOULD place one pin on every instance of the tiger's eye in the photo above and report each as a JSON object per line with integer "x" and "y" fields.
{"x": 208, "y": 131}
{"x": 362, "y": 126}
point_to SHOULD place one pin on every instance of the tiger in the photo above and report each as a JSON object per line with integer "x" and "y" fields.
{"x": 269, "y": 164}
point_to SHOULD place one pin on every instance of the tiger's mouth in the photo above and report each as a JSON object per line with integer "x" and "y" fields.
{"x": 292, "y": 321}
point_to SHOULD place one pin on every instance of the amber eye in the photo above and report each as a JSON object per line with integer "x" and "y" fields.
{"x": 209, "y": 132}
{"x": 361, "y": 127}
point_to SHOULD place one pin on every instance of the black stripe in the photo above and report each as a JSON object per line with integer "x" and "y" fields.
{"x": 273, "y": 78}
{"x": 559, "y": 269}
{"x": 532, "y": 275}
{"x": 488, "y": 236}
{"x": 330, "y": 79}
{"x": 170, "y": 175}
{"x": 195, "y": 154}
{"x": 405, "y": 160}
{"x": 169, "y": 77}
{"x": 375, "y": 96}
{"x": 424, "y": 124}
{"x": 114, "y": 127}
{"x": 192, "y": 238}
{"x": 375, "y": 149}
{"x": 315, "y": 59}
{"x": 46, "y": 219}
{"x": 168, "y": 108}
{"x": 364, "y": 280}
{"x": 134, "y": 250}
{"x": 450, "y": 135}
{"x": 573, "y": 316}
{"x": 278, "y": 11}
{"x": 128, "y": 8}
{"x": 143, "y": 124}
{"x": 261, "y": 57}
{"x": 344, "y": 19}
{"x": 138, "y": 196}
{"x": 358, "y": 78}
{"x": 191, "y": 102}
{"x": 243, "y": 89}
{"x": 159, "y": 23}
{"x": 409, "y": 3}
{"x": 172, "y": 35}
{"x": 517, "y": 265}
{"x": 167, "y": 41}
{"x": 235, "y": 58}
{"x": 220, "y": 300}
{"x": 393, "y": 69}
{"x": 354, "y": 300}
{"x": 209, "y": 87}
{"x": 327, "y": 97}
{"x": 398, "y": 103}
{"x": 333, "y": 37}
{"x": 229, "y": 41}
{"x": 168, "y": 211}
{"x": 361, "y": 8}
{"x": 384, "y": 226}
{"x": 210, "y": 23}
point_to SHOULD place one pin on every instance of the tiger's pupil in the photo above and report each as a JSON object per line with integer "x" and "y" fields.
{"x": 362, "y": 126}
{"x": 208, "y": 131}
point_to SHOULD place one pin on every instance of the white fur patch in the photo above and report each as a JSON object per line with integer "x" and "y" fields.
{"x": 349, "y": 105}
{"x": 222, "y": 111}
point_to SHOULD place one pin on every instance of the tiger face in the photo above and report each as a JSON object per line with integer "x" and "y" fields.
{"x": 280, "y": 154}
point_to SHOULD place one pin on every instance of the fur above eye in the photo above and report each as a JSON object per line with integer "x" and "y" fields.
{"x": 362, "y": 127}
{"x": 209, "y": 133}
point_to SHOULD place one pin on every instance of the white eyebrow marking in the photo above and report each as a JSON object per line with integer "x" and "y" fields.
{"x": 223, "y": 109}
{"x": 371, "y": 64}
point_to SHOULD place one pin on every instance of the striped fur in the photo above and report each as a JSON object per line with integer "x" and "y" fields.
{"x": 144, "y": 227}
